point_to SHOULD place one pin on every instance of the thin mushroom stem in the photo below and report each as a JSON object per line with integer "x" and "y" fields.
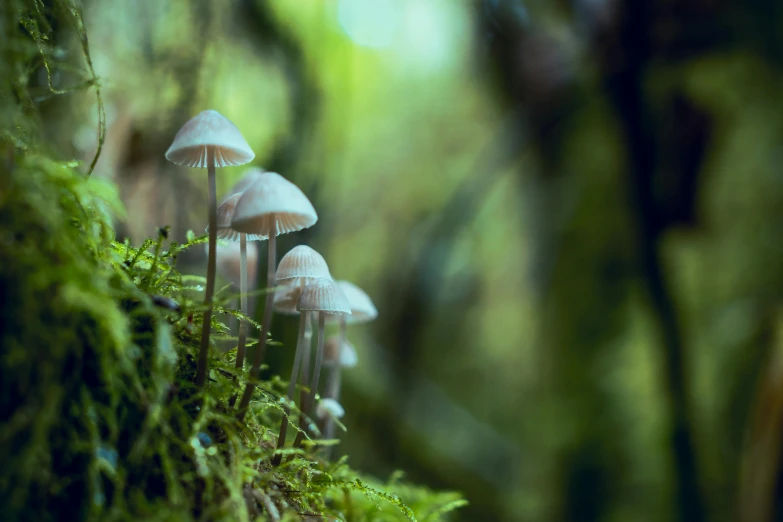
{"x": 304, "y": 371}
{"x": 242, "y": 299}
{"x": 242, "y": 307}
{"x": 300, "y": 347}
{"x": 307, "y": 409}
{"x": 333, "y": 384}
{"x": 260, "y": 351}
{"x": 203, "y": 354}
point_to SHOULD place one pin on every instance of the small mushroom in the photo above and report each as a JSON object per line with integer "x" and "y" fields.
{"x": 299, "y": 267}
{"x": 362, "y": 311}
{"x": 271, "y": 206}
{"x": 339, "y": 352}
{"x": 325, "y": 297}
{"x": 233, "y": 259}
{"x": 209, "y": 140}
{"x": 329, "y": 409}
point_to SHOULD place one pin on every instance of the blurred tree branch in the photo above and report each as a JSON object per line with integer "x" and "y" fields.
{"x": 625, "y": 65}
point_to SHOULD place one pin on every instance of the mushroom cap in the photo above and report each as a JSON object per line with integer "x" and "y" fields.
{"x": 209, "y": 129}
{"x": 362, "y": 308}
{"x": 273, "y": 203}
{"x": 301, "y": 266}
{"x": 329, "y": 408}
{"x": 286, "y": 299}
{"x": 346, "y": 355}
{"x": 251, "y": 176}
{"x": 323, "y": 295}
{"x": 225, "y": 213}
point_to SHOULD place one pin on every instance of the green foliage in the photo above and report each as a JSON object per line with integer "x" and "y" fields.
{"x": 99, "y": 417}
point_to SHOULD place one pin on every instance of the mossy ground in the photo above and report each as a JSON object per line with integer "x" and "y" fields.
{"x": 99, "y": 419}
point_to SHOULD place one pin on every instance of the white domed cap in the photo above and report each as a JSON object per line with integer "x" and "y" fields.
{"x": 329, "y": 408}
{"x": 251, "y": 176}
{"x": 345, "y": 355}
{"x": 362, "y": 308}
{"x": 301, "y": 266}
{"x": 209, "y": 129}
{"x": 286, "y": 299}
{"x": 323, "y": 295}
{"x": 273, "y": 202}
{"x": 225, "y": 213}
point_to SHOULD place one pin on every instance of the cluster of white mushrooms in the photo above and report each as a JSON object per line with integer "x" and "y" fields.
{"x": 261, "y": 207}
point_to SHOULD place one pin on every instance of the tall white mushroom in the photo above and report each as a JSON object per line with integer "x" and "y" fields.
{"x": 232, "y": 262}
{"x": 271, "y": 206}
{"x": 299, "y": 267}
{"x": 209, "y": 140}
{"x": 325, "y": 297}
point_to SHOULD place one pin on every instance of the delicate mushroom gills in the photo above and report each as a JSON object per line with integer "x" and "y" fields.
{"x": 196, "y": 157}
{"x": 282, "y": 223}
{"x": 230, "y": 234}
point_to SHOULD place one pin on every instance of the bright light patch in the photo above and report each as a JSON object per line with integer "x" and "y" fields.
{"x": 370, "y": 23}
{"x": 430, "y": 42}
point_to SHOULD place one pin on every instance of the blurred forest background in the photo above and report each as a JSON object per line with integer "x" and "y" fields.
{"x": 568, "y": 214}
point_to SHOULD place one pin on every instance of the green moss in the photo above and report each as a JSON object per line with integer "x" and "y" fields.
{"x": 99, "y": 419}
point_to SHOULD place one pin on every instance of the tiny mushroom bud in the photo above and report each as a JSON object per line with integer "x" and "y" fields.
{"x": 362, "y": 308}
{"x": 325, "y": 297}
{"x": 337, "y": 351}
{"x": 209, "y": 140}
{"x": 329, "y": 409}
{"x": 271, "y": 206}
